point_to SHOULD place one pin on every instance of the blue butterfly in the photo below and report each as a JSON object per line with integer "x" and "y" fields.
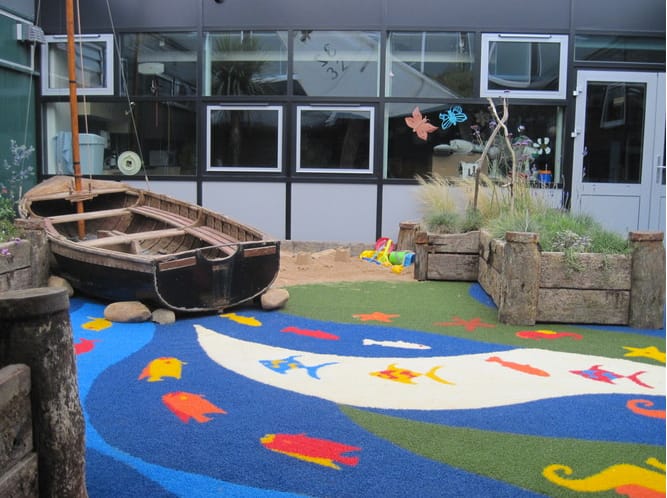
{"x": 452, "y": 116}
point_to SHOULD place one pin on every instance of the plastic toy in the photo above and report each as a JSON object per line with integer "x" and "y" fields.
{"x": 384, "y": 255}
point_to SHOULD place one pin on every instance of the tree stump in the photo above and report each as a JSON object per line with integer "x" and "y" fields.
{"x": 36, "y": 331}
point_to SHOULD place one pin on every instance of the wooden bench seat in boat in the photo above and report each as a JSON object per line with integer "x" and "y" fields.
{"x": 90, "y": 215}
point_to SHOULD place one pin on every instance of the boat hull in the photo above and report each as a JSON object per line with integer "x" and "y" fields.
{"x": 188, "y": 283}
{"x": 152, "y": 248}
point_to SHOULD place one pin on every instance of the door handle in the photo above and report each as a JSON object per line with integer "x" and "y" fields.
{"x": 660, "y": 167}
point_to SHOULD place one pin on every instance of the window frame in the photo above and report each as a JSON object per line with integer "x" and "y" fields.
{"x": 488, "y": 38}
{"x": 336, "y": 108}
{"x": 245, "y": 169}
{"x": 107, "y": 89}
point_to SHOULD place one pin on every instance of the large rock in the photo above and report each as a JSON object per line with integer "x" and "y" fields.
{"x": 60, "y": 283}
{"x": 163, "y": 316}
{"x": 127, "y": 311}
{"x": 274, "y": 299}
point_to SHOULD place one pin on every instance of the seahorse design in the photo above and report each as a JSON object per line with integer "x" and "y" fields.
{"x": 616, "y": 476}
{"x": 636, "y": 406}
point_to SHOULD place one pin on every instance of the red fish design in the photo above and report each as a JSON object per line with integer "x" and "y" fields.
{"x": 187, "y": 405}
{"x": 547, "y": 335}
{"x": 320, "y": 451}
{"x": 528, "y": 369}
{"x": 596, "y": 373}
{"x": 318, "y": 334}
{"x": 84, "y": 346}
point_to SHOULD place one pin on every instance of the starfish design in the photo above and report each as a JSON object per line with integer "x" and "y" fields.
{"x": 647, "y": 352}
{"x": 470, "y": 325}
{"x": 377, "y": 316}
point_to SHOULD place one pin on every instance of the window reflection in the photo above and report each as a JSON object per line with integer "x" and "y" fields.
{"x": 460, "y": 133}
{"x": 523, "y": 66}
{"x": 93, "y": 65}
{"x": 166, "y": 142}
{"x": 245, "y": 138}
{"x": 336, "y": 63}
{"x": 430, "y": 64}
{"x": 336, "y": 139}
{"x": 160, "y": 64}
{"x": 246, "y": 63}
{"x": 614, "y": 129}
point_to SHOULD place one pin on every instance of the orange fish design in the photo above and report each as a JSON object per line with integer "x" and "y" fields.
{"x": 163, "y": 367}
{"x": 320, "y": 451}
{"x": 518, "y": 367}
{"x": 187, "y": 405}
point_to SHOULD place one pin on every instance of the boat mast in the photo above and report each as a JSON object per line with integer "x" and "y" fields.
{"x": 74, "y": 112}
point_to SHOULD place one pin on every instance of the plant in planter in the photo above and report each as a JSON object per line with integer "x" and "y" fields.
{"x": 538, "y": 263}
{"x": 15, "y": 176}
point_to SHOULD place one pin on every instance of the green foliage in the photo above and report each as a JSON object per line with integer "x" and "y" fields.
{"x": 7, "y": 215}
{"x": 520, "y": 209}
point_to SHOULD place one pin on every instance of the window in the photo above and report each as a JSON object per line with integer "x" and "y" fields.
{"x": 612, "y": 48}
{"x": 160, "y": 64}
{"x": 430, "y": 65}
{"x": 336, "y": 63}
{"x": 458, "y": 134}
{"x": 523, "y": 66}
{"x": 93, "y": 60}
{"x": 244, "y": 138}
{"x": 334, "y": 139}
{"x": 166, "y": 141}
{"x": 246, "y": 63}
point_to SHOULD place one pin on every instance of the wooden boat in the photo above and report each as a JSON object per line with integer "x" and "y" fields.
{"x": 140, "y": 245}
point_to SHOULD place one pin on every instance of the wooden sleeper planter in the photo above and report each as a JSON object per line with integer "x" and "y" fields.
{"x": 530, "y": 286}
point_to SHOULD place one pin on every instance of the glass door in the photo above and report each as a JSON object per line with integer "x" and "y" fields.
{"x": 619, "y": 149}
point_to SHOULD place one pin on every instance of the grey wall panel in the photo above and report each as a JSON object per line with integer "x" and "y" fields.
{"x": 22, "y": 8}
{"x": 346, "y": 14}
{"x": 491, "y": 15}
{"x": 126, "y": 14}
{"x": 619, "y": 15}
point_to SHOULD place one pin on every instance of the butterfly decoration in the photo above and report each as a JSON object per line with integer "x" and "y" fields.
{"x": 453, "y": 116}
{"x": 420, "y": 124}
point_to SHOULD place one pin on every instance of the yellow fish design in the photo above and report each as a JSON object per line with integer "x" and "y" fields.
{"x": 97, "y": 324}
{"x": 405, "y": 375}
{"x": 163, "y": 367}
{"x": 648, "y": 352}
{"x": 250, "y": 321}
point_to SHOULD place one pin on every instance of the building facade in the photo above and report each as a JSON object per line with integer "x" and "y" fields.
{"x": 19, "y": 85}
{"x": 311, "y": 120}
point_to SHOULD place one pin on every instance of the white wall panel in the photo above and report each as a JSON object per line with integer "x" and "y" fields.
{"x": 399, "y": 204}
{"x": 260, "y": 205}
{"x": 334, "y": 212}
{"x": 184, "y": 191}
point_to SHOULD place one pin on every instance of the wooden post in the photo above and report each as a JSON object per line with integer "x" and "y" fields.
{"x": 647, "y": 295}
{"x": 33, "y": 231}
{"x": 36, "y": 331}
{"x": 421, "y": 256}
{"x": 407, "y": 231}
{"x": 521, "y": 279}
{"x": 18, "y": 460}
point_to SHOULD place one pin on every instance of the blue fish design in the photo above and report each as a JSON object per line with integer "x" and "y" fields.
{"x": 284, "y": 365}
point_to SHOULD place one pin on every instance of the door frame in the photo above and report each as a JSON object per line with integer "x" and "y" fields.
{"x": 645, "y": 195}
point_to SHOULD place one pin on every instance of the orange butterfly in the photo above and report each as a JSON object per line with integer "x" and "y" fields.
{"x": 420, "y": 124}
